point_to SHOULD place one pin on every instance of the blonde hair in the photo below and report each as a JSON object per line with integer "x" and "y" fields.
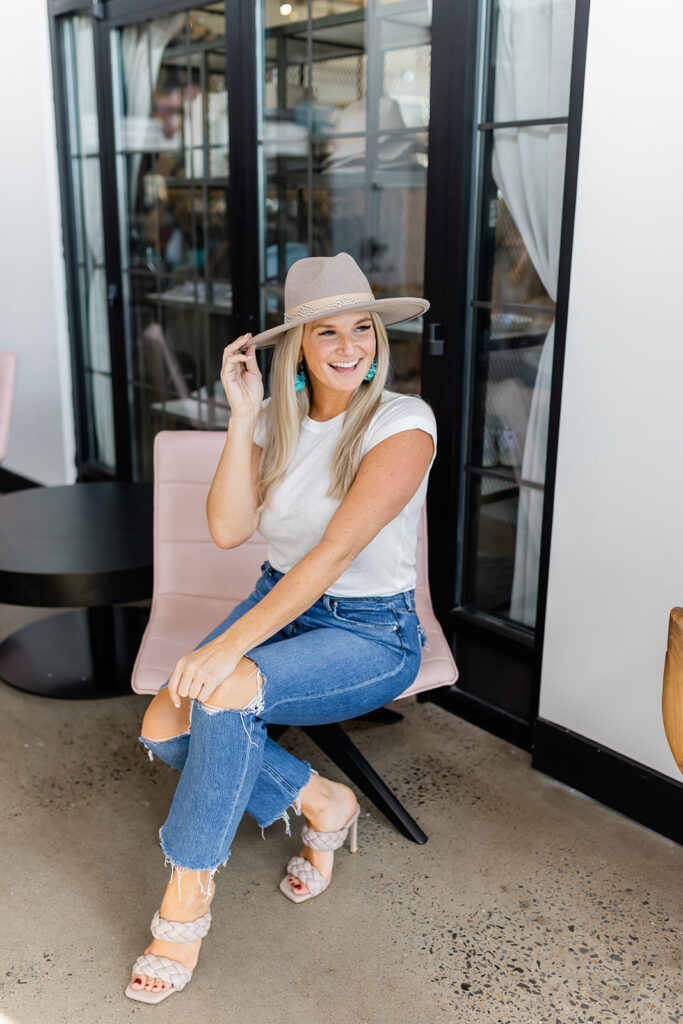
{"x": 287, "y": 408}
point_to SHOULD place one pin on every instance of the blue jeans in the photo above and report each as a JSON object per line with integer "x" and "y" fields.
{"x": 341, "y": 658}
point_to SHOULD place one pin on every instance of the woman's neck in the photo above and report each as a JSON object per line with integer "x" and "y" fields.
{"x": 326, "y": 407}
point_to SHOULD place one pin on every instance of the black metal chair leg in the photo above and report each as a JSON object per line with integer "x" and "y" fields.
{"x": 334, "y": 742}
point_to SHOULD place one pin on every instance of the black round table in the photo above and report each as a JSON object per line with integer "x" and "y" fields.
{"x": 83, "y": 546}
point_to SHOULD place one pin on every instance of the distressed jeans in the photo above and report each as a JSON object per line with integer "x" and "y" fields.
{"x": 341, "y": 658}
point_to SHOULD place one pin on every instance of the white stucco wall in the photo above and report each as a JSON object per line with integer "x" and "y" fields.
{"x": 32, "y": 285}
{"x": 616, "y": 565}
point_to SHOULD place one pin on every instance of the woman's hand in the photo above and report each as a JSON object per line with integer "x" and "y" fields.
{"x": 241, "y": 379}
{"x": 198, "y": 673}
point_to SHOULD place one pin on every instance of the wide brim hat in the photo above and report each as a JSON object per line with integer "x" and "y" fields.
{"x": 319, "y": 286}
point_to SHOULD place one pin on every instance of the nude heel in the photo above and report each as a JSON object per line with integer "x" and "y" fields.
{"x": 305, "y": 871}
{"x": 353, "y": 835}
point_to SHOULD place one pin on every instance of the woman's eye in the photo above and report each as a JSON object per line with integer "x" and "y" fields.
{"x": 363, "y": 327}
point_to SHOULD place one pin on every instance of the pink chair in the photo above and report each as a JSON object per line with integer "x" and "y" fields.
{"x": 196, "y": 584}
{"x": 8, "y": 362}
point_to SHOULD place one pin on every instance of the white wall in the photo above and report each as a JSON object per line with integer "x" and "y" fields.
{"x": 616, "y": 565}
{"x": 32, "y": 285}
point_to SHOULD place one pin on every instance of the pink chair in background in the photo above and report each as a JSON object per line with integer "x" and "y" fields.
{"x": 196, "y": 584}
{"x": 8, "y": 363}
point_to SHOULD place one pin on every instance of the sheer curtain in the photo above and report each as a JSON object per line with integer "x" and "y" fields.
{"x": 533, "y": 70}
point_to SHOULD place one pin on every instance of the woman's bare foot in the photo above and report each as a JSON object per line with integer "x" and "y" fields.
{"x": 185, "y": 905}
{"x": 326, "y": 806}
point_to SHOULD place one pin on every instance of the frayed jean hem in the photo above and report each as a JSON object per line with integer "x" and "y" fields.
{"x": 294, "y": 801}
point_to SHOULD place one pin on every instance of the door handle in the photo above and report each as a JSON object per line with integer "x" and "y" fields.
{"x": 435, "y": 340}
{"x": 112, "y": 294}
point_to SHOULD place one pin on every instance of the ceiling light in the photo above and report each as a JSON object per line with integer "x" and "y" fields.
{"x": 285, "y": 9}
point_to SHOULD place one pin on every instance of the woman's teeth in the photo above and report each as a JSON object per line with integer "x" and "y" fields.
{"x": 345, "y": 367}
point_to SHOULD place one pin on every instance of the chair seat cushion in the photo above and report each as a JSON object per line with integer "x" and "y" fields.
{"x": 178, "y": 622}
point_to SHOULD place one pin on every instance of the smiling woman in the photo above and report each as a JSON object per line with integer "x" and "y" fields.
{"x": 332, "y": 470}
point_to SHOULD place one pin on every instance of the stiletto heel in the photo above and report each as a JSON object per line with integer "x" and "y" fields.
{"x": 353, "y": 842}
{"x": 305, "y": 871}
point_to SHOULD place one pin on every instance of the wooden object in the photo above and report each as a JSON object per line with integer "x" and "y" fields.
{"x": 672, "y": 692}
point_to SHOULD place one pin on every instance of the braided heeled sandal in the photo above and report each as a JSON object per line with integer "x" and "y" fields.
{"x": 307, "y": 872}
{"x": 173, "y": 972}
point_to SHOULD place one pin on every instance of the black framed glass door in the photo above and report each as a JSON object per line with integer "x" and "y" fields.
{"x": 516, "y": 89}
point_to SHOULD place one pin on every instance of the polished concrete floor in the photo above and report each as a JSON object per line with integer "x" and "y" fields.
{"x": 530, "y": 903}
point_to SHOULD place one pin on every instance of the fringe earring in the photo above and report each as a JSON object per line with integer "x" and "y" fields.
{"x": 372, "y": 371}
{"x": 300, "y": 378}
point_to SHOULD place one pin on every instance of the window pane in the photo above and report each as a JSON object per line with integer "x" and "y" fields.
{"x": 89, "y": 274}
{"x": 510, "y": 351}
{"x": 171, "y": 133}
{"x": 344, "y": 157}
{"x": 532, "y": 48}
{"x": 515, "y": 255}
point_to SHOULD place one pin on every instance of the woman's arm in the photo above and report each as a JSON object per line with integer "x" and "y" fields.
{"x": 387, "y": 478}
{"x": 231, "y": 504}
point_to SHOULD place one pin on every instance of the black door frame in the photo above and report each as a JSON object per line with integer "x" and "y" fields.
{"x": 500, "y": 648}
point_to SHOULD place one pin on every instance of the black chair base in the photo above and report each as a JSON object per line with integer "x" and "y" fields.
{"x": 334, "y": 742}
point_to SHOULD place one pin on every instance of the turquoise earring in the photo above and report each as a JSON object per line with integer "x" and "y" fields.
{"x": 300, "y": 378}
{"x": 372, "y": 371}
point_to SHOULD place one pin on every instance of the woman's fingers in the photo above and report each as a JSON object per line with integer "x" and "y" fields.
{"x": 237, "y": 345}
{"x": 198, "y": 676}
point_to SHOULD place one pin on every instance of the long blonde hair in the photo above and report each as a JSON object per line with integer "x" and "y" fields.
{"x": 287, "y": 408}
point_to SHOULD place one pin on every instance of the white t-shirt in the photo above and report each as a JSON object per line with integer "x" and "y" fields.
{"x": 299, "y": 509}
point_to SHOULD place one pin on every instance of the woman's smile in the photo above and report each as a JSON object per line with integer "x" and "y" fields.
{"x": 345, "y": 367}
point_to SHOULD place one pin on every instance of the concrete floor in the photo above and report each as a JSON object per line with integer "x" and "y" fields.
{"x": 530, "y": 903}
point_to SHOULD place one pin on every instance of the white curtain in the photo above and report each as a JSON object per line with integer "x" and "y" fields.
{"x": 533, "y": 70}
{"x": 142, "y": 47}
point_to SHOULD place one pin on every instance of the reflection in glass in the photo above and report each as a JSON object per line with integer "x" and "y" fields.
{"x": 493, "y": 512}
{"x": 169, "y": 76}
{"x": 346, "y": 102}
{"x": 91, "y": 282}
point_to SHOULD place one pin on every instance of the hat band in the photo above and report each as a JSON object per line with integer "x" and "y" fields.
{"x": 326, "y": 305}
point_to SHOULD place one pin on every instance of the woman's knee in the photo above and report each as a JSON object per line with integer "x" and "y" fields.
{"x": 163, "y": 719}
{"x": 239, "y": 691}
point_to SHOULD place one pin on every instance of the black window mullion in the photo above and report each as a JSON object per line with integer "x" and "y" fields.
{"x": 533, "y": 122}
{"x": 245, "y": 179}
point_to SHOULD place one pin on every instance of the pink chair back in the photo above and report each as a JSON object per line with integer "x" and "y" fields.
{"x": 8, "y": 363}
{"x": 196, "y": 583}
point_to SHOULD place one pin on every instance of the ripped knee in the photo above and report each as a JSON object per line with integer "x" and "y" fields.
{"x": 163, "y": 720}
{"x": 243, "y": 691}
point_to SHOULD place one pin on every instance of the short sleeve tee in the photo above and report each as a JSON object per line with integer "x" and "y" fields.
{"x": 299, "y": 508}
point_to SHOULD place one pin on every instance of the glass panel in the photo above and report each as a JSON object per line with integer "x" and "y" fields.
{"x": 511, "y": 344}
{"x": 345, "y": 169}
{"x": 521, "y": 184}
{"x": 92, "y": 324}
{"x": 169, "y": 78}
{"x": 509, "y": 276}
{"x": 532, "y": 48}
{"x": 493, "y": 507}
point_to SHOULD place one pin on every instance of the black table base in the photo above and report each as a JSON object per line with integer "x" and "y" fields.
{"x": 80, "y": 654}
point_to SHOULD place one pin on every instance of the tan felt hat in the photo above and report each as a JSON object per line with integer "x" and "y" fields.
{"x": 319, "y": 286}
